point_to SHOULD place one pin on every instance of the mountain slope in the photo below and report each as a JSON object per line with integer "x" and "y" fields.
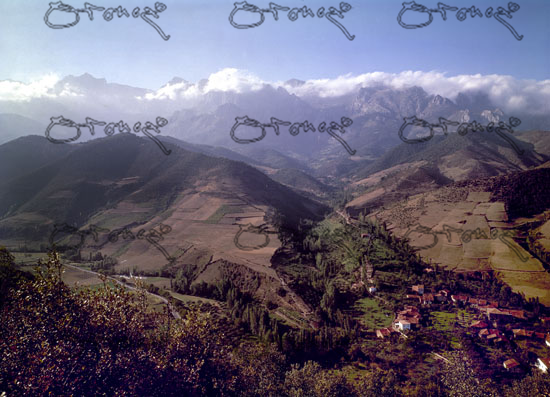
{"x": 13, "y": 126}
{"x": 90, "y": 178}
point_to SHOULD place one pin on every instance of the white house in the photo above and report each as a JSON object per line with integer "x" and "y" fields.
{"x": 402, "y": 325}
{"x": 372, "y": 290}
{"x": 543, "y": 364}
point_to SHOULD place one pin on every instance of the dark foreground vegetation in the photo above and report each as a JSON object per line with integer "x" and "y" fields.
{"x": 57, "y": 340}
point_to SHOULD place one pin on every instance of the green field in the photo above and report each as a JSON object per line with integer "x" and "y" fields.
{"x": 373, "y": 315}
{"x": 221, "y": 212}
{"x": 191, "y": 298}
{"x": 443, "y": 321}
{"x": 29, "y": 258}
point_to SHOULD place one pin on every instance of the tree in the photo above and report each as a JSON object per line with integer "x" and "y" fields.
{"x": 59, "y": 341}
{"x": 262, "y": 370}
{"x": 379, "y": 383}
{"x": 8, "y": 274}
{"x": 460, "y": 379}
{"x": 312, "y": 381}
{"x": 534, "y": 385}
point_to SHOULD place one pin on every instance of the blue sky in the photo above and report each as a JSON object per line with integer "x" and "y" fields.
{"x": 202, "y": 42}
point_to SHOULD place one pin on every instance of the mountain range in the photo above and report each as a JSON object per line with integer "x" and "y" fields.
{"x": 198, "y": 113}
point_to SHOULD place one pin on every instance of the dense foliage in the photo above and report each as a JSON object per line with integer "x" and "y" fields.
{"x": 55, "y": 340}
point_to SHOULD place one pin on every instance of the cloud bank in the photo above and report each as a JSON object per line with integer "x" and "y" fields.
{"x": 17, "y": 91}
{"x": 506, "y": 92}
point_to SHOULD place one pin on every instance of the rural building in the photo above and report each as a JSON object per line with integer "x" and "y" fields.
{"x": 518, "y": 314}
{"x": 427, "y": 299}
{"x": 523, "y": 333}
{"x": 407, "y": 318}
{"x": 479, "y": 324}
{"x": 418, "y": 288}
{"x": 509, "y": 364}
{"x": 372, "y": 290}
{"x": 414, "y": 296}
{"x": 384, "y": 332}
{"x": 459, "y": 298}
{"x": 543, "y": 364}
{"x": 499, "y": 315}
{"x": 483, "y": 333}
{"x": 402, "y": 324}
{"x": 547, "y": 340}
{"x": 478, "y": 302}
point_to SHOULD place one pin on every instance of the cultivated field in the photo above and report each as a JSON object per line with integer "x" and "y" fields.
{"x": 440, "y": 212}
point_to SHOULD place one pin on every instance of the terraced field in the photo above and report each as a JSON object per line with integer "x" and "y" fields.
{"x": 436, "y": 226}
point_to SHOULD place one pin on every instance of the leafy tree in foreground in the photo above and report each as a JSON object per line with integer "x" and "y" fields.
{"x": 312, "y": 381}
{"x": 58, "y": 341}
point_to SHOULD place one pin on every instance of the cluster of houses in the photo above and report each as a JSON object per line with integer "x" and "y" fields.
{"x": 408, "y": 318}
{"x": 542, "y": 363}
{"x": 491, "y": 329}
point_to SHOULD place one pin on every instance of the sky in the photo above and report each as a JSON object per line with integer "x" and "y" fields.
{"x": 202, "y": 42}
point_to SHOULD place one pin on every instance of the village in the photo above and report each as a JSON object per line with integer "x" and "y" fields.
{"x": 509, "y": 330}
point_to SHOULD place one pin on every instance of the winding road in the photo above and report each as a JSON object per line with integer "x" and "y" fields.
{"x": 175, "y": 314}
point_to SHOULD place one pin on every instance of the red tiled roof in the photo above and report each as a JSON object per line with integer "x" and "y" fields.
{"x": 523, "y": 332}
{"x": 481, "y": 302}
{"x": 516, "y": 313}
{"x": 510, "y": 363}
{"x": 479, "y": 324}
{"x": 497, "y": 312}
{"x": 410, "y": 320}
{"x": 384, "y": 332}
{"x": 545, "y": 361}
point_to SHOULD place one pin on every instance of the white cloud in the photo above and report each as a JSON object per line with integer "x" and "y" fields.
{"x": 230, "y": 79}
{"x": 17, "y": 91}
{"x": 506, "y": 92}
{"x": 169, "y": 91}
{"x": 68, "y": 91}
